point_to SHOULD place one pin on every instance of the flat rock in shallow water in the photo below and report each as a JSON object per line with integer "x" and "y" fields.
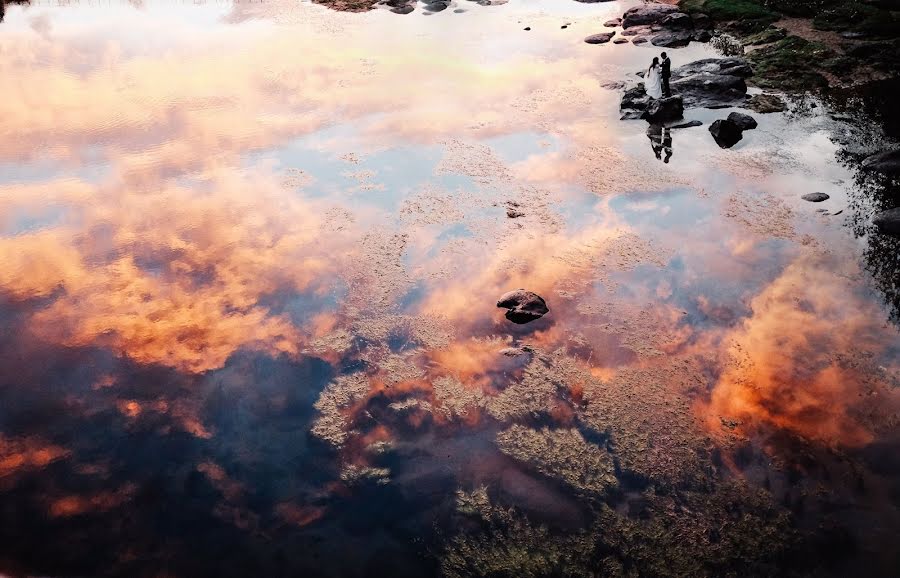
{"x": 888, "y": 222}
{"x": 887, "y": 162}
{"x": 615, "y": 22}
{"x": 523, "y": 306}
{"x": 601, "y": 38}
{"x": 815, "y": 197}
{"x": 688, "y": 124}
{"x": 766, "y": 103}
{"x": 726, "y": 133}
{"x": 745, "y": 121}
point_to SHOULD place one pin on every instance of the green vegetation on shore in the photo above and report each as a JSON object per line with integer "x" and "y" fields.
{"x": 871, "y": 38}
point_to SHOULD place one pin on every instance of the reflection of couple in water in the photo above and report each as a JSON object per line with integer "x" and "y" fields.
{"x": 657, "y": 77}
{"x": 660, "y": 141}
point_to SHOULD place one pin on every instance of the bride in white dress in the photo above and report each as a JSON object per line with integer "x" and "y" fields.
{"x": 653, "y": 80}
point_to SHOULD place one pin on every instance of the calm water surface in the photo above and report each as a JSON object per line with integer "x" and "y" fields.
{"x": 250, "y": 259}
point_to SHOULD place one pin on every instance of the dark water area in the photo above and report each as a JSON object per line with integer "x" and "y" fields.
{"x": 251, "y": 254}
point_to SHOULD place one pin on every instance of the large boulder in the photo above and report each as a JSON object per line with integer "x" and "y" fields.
{"x": 712, "y": 82}
{"x": 523, "y": 306}
{"x": 673, "y": 38}
{"x": 664, "y": 110}
{"x": 708, "y": 83}
{"x": 677, "y": 21}
{"x": 726, "y": 133}
{"x": 888, "y": 222}
{"x": 745, "y": 121}
{"x": 647, "y": 14}
{"x": 887, "y": 162}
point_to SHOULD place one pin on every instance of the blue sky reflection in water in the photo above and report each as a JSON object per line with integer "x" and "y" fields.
{"x": 251, "y": 255}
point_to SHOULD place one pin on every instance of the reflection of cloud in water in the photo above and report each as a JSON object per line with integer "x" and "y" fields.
{"x": 268, "y": 372}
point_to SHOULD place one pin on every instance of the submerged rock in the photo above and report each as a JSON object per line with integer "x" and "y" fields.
{"x": 688, "y": 124}
{"x": 766, "y": 103}
{"x": 887, "y": 162}
{"x": 615, "y": 22}
{"x": 888, "y": 222}
{"x": 664, "y": 110}
{"x": 726, "y": 133}
{"x": 601, "y": 38}
{"x": 815, "y": 197}
{"x": 745, "y": 121}
{"x": 523, "y": 306}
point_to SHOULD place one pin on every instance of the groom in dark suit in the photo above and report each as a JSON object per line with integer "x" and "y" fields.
{"x": 666, "y": 73}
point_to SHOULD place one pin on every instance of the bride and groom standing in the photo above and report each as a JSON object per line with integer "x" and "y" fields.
{"x": 656, "y": 80}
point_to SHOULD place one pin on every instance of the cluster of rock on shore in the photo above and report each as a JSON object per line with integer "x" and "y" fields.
{"x": 660, "y": 24}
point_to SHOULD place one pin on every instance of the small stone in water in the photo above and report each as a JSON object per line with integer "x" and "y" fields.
{"x": 815, "y": 197}
{"x": 523, "y": 306}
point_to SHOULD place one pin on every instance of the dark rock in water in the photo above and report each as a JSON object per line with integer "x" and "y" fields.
{"x": 745, "y": 121}
{"x": 523, "y": 306}
{"x": 678, "y": 21}
{"x": 887, "y": 162}
{"x": 726, "y": 133}
{"x": 639, "y": 40}
{"x": 436, "y": 5}
{"x": 620, "y": 40}
{"x": 688, "y": 124}
{"x": 615, "y": 22}
{"x": 766, "y": 103}
{"x": 673, "y": 39}
{"x": 712, "y": 83}
{"x": 601, "y": 38}
{"x": 664, "y": 110}
{"x": 888, "y": 222}
{"x": 647, "y": 14}
{"x": 514, "y": 213}
{"x": 731, "y": 66}
{"x": 815, "y": 197}
{"x": 702, "y": 20}
{"x": 702, "y": 35}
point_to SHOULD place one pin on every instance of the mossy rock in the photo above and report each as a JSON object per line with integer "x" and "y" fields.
{"x": 767, "y": 36}
{"x": 857, "y": 17}
{"x": 790, "y": 64}
{"x": 724, "y": 10}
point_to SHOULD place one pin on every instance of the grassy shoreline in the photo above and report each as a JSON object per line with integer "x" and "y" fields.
{"x": 799, "y": 45}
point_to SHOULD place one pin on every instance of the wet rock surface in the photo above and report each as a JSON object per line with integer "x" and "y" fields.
{"x": 523, "y": 306}
{"x": 887, "y": 162}
{"x": 815, "y": 197}
{"x": 888, "y": 222}
{"x": 708, "y": 83}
